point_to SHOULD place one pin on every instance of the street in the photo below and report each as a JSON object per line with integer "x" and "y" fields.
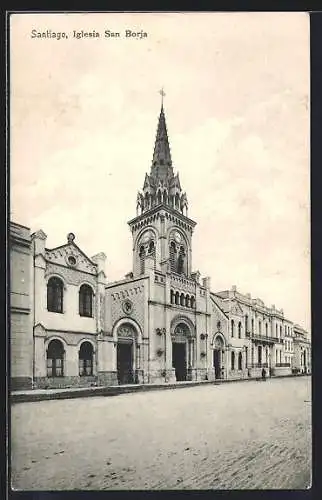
{"x": 244, "y": 435}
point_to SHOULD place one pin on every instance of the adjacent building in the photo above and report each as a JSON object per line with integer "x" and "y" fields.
{"x": 21, "y": 320}
{"x": 301, "y": 351}
{"x": 161, "y": 323}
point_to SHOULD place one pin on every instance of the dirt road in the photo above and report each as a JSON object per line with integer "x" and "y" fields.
{"x": 231, "y": 436}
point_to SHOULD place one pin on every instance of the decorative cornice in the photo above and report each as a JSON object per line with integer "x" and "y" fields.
{"x": 125, "y": 282}
{"x": 164, "y": 209}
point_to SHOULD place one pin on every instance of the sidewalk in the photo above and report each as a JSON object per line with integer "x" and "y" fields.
{"x": 81, "y": 392}
{"x": 32, "y": 395}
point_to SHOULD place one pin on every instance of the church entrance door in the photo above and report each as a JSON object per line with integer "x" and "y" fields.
{"x": 217, "y": 363}
{"x": 125, "y": 363}
{"x": 179, "y": 361}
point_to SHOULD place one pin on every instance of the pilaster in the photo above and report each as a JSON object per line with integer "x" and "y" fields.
{"x": 39, "y": 282}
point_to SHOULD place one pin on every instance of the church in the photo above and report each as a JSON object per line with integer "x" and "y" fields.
{"x": 162, "y": 323}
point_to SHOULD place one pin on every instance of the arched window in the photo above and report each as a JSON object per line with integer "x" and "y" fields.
{"x": 239, "y": 330}
{"x": 86, "y": 359}
{"x": 187, "y": 301}
{"x": 151, "y": 251}
{"x": 165, "y": 198}
{"x": 280, "y": 330}
{"x": 55, "y": 292}
{"x": 246, "y": 324}
{"x": 252, "y": 325}
{"x": 266, "y": 329}
{"x": 142, "y": 256}
{"x": 177, "y": 201}
{"x": 177, "y": 298}
{"x": 233, "y": 360}
{"x": 232, "y": 328}
{"x": 240, "y": 361}
{"x": 151, "y": 248}
{"x": 173, "y": 256}
{"x": 192, "y": 302}
{"x": 182, "y": 299}
{"x": 159, "y": 197}
{"x": 259, "y": 355}
{"x": 181, "y": 261}
{"x": 259, "y": 327}
{"x": 171, "y": 296}
{"x": 276, "y": 331}
{"x": 86, "y": 301}
{"x": 55, "y": 359}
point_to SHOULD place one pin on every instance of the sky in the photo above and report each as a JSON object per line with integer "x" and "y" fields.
{"x": 84, "y": 116}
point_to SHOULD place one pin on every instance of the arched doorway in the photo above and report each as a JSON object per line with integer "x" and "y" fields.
{"x": 180, "y": 353}
{"x": 218, "y": 356}
{"x": 126, "y": 337}
{"x": 260, "y": 352}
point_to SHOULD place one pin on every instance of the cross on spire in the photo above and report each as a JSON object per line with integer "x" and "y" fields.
{"x": 162, "y": 93}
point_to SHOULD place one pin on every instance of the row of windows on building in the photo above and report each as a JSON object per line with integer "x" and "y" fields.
{"x": 239, "y": 361}
{"x": 288, "y": 345}
{"x": 262, "y": 358}
{"x": 55, "y": 359}
{"x": 182, "y": 299}
{"x": 55, "y": 298}
{"x": 288, "y": 330}
{"x": 278, "y": 328}
{"x": 239, "y": 329}
{"x": 288, "y": 360}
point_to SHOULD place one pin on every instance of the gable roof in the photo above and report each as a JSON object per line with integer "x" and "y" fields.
{"x": 68, "y": 245}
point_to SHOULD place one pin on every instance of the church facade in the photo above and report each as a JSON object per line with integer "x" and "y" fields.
{"x": 161, "y": 323}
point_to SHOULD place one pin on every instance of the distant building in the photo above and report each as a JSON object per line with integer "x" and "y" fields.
{"x": 302, "y": 350}
{"x": 161, "y": 323}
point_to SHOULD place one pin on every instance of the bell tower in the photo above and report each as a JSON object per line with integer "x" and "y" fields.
{"x": 162, "y": 230}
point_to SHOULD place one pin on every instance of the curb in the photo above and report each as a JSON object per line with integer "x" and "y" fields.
{"x": 108, "y": 391}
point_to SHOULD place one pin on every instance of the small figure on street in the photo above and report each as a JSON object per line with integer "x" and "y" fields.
{"x": 264, "y": 374}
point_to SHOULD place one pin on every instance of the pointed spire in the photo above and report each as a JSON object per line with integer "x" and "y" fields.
{"x": 161, "y": 186}
{"x": 161, "y": 155}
